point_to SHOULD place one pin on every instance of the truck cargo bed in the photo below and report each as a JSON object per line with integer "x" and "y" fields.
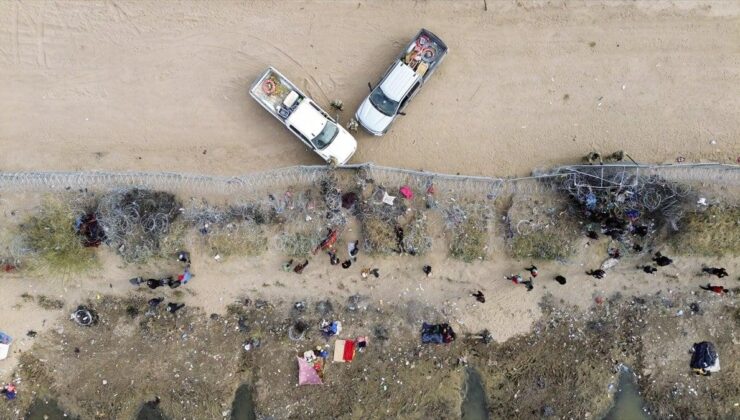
{"x": 276, "y": 93}
{"x": 424, "y": 53}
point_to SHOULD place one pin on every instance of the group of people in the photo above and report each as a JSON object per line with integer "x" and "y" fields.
{"x": 353, "y": 249}
{"x": 170, "y": 281}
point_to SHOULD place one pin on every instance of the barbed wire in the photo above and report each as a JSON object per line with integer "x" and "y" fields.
{"x": 302, "y": 175}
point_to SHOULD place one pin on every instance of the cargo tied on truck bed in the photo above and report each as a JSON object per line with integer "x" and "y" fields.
{"x": 303, "y": 117}
{"x": 401, "y": 82}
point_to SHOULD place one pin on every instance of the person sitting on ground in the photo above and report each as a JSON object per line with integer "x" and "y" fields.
{"x": 174, "y": 307}
{"x": 298, "y": 269}
{"x": 174, "y": 284}
{"x": 347, "y": 264}
{"x": 427, "y": 269}
{"x": 641, "y": 231}
{"x": 354, "y": 249}
{"x": 287, "y": 265}
{"x": 479, "y": 296}
{"x": 560, "y": 279}
{"x": 719, "y": 272}
{"x": 662, "y": 260}
{"x": 184, "y": 257}
{"x": 9, "y": 391}
{"x": 599, "y": 274}
{"x": 532, "y": 270}
{"x": 333, "y": 259}
{"x": 185, "y": 277}
{"x": 399, "y": 240}
{"x": 649, "y": 269}
{"x": 716, "y": 289}
{"x": 154, "y": 283}
{"x": 361, "y": 343}
{"x": 154, "y": 302}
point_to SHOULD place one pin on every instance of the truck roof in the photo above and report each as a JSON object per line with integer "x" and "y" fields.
{"x": 398, "y": 81}
{"x": 307, "y": 119}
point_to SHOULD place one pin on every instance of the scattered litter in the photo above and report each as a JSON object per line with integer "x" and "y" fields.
{"x": 344, "y": 350}
{"x": 5, "y": 341}
{"x": 84, "y": 316}
{"x": 406, "y": 192}
{"x": 388, "y": 199}
{"x": 309, "y": 374}
{"x": 329, "y": 329}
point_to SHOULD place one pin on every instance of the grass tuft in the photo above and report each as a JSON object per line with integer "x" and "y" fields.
{"x": 55, "y": 246}
{"x": 469, "y": 240}
{"x": 237, "y": 239}
{"x": 712, "y": 232}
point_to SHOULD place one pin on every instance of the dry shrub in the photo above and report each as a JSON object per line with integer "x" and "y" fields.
{"x": 543, "y": 244}
{"x": 469, "y": 240}
{"x": 175, "y": 240}
{"x": 49, "y": 303}
{"x": 379, "y": 236}
{"x": 712, "y": 232}
{"x": 298, "y": 244}
{"x": 236, "y": 239}
{"x": 53, "y": 242}
{"x": 416, "y": 237}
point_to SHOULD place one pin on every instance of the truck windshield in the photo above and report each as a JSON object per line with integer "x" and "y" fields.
{"x": 326, "y": 136}
{"x": 383, "y": 103}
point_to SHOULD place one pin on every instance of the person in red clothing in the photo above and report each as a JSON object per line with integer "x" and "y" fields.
{"x": 517, "y": 279}
{"x": 716, "y": 289}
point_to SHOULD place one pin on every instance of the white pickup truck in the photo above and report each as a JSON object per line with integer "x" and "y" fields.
{"x": 303, "y": 117}
{"x": 401, "y": 82}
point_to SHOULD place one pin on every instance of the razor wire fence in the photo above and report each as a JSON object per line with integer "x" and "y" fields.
{"x": 591, "y": 176}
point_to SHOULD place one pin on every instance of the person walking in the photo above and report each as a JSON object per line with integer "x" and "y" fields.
{"x": 713, "y": 288}
{"x": 479, "y": 296}
{"x": 532, "y": 271}
{"x": 173, "y": 307}
{"x": 298, "y": 269}
{"x": 649, "y": 269}
{"x": 662, "y": 260}
{"x": 719, "y": 272}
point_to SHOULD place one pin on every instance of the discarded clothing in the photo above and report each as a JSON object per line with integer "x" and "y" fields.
{"x": 344, "y": 350}
{"x": 5, "y": 341}
{"x": 308, "y": 374}
{"x": 437, "y": 333}
{"x": 331, "y": 329}
{"x": 406, "y": 192}
{"x": 348, "y": 200}
{"x": 704, "y": 357}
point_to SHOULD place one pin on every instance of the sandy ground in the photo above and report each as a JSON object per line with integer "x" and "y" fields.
{"x": 509, "y": 309}
{"x": 162, "y": 86}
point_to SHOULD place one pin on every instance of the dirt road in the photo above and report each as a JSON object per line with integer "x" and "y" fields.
{"x": 162, "y": 86}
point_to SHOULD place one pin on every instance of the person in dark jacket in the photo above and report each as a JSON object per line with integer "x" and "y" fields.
{"x": 662, "y": 260}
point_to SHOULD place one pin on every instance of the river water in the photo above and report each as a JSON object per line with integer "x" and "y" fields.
{"x": 628, "y": 403}
{"x": 243, "y": 406}
{"x": 474, "y": 406}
